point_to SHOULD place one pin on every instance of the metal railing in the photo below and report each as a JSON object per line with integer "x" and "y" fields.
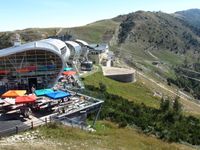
{"x": 39, "y": 122}
{"x": 25, "y": 126}
{"x": 72, "y": 123}
{"x": 56, "y": 117}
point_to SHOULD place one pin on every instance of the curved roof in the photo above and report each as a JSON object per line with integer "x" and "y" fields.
{"x": 76, "y": 51}
{"x": 58, "y": 43}
{"x": 52, "y": 45}
{"x": 82, "y": 42}
{"x": 98, "y": 47}
{"x": 73, "y": 44}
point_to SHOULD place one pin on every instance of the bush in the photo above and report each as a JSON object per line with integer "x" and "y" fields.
{"x": 125, "y": 28}
{"x": 102, "y": 87}
{"x": 167, "y": 123}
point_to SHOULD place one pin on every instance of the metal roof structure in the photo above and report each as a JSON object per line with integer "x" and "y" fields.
{"x": 73, "y": 44}
{"x": 98, "y": 47}
{"x": 75, "y": 49}
{"x": 52, "y": 45}
{"x": 58, "y": 43}
{"x": 82, "y": 42}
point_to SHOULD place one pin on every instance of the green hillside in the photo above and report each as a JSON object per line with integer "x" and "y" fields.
{"x": 101, "y": 31}
{"x": 132, "y": 91}
{"x": 107, "y": 137}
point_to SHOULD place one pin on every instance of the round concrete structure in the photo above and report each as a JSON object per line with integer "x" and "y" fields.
{"x": 119, "y": 74}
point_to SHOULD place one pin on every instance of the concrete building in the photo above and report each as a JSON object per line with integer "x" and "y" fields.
{"x": 120, "y": 74}
{"x": 97, "y": 52}
{"x": 36, "y": 64}
{"x": 84, "y": 46}
{"x": 81, "y": 42}
{"x": 75, "y": 50}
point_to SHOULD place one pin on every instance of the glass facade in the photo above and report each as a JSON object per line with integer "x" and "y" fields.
{"x": 24, "y": 70}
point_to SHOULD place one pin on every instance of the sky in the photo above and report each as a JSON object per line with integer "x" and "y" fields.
{"x": 21, "y": 14}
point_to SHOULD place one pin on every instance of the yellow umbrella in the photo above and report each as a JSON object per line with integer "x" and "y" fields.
{"x": 13, "y": 93}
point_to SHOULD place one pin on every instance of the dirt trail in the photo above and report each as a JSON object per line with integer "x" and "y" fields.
{"x": 59, "y": 31}
{"x": 189, "y": 105}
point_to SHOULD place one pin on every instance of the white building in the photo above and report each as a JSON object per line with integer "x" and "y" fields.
{"x": 36, "y": 63}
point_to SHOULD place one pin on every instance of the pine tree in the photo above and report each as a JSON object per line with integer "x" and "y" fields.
{"x": 102, "y": 87}
{"x": 176, "y": 105}
{"x": 164, "y": 105}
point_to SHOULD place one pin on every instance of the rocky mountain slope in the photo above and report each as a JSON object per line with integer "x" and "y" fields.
{"x": 146, "y": 37}
{"x": 158, "y": 30}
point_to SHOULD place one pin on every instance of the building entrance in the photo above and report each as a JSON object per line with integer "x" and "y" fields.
{"x": 32, "y": 82}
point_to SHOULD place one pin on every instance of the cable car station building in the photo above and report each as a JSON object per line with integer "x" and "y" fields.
{"x": 33, "y": 64}
{"x": 38, "y": 64}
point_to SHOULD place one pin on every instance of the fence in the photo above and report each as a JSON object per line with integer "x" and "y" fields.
{"x": 72, "y": 123}
{"x": 25, "y": 126}
{"x": 40, "y": 122}
{"x": 56, "y": 117}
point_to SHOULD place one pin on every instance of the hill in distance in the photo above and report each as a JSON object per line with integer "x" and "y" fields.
{"x": 191, "y": 16}
{"x": 101, "y": 31}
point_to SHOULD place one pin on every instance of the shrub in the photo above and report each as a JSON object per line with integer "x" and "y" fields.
{"x": 167, "y": 123}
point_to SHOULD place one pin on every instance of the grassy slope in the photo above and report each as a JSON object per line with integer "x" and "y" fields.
{"x": 136, "y": 55}
{"x": 108, "y": 136}
{"x": 138, "y": 92}
{"x": 169, "y": 57}
{"x": 133, "y": 91}
{"x": 100, "y": 31}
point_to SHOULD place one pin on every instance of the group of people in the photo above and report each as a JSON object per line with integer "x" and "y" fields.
{"x": 69, "y": 81}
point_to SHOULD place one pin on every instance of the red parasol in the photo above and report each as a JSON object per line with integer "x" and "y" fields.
{"x": 69, "y": 73}
{"x": 31, "y": 68}
{"x": 4, "y": 71}
{"x": 23, "y": 70}
{"x": 25, "y": 99}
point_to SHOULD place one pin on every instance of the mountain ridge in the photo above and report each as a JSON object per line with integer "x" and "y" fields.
{"x": 191, "y": 16}
{"x": 133, "y": 35}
